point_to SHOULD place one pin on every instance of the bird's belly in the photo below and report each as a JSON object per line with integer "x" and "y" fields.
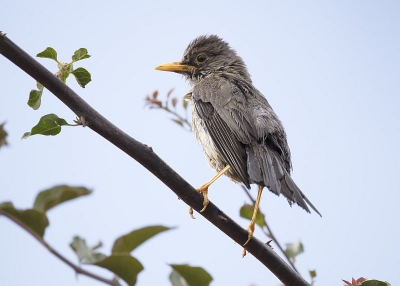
{"x": 213, "y": 157}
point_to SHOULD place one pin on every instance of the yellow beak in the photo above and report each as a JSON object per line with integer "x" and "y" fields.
{"x": 175, "y": 67}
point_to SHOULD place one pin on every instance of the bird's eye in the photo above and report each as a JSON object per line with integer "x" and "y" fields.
{"x": 201, "y": 58}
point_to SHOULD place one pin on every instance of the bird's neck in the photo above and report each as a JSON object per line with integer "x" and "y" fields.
{"x": 230, "y": 73}
{"x": 238, "y": 70}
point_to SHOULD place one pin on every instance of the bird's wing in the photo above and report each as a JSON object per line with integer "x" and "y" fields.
{"x": 227, "y": 140}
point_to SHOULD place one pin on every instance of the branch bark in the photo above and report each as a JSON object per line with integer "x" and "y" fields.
{"x": 148, "y": 159}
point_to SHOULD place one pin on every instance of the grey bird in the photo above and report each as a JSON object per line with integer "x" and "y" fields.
{"x": 241, "y": 135}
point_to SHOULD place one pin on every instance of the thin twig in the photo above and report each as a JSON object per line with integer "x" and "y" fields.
{"x": 154, "y": 103}
{"x": 183, "y": 120}
{"x": 77, "y": 269}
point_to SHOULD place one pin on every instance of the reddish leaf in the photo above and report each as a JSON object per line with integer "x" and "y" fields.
{"x": 354, "y": 282}
{"x": 174, "y": 101}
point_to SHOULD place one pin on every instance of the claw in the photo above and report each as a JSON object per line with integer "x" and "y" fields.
{"x": 191, "y": 213}
{"x": 250, "y": 231}
{"x": 206, "y": 201}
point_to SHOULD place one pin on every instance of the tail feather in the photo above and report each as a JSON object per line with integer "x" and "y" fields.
{"x": 261, "y": 170}
{"x": 266, "y": 169}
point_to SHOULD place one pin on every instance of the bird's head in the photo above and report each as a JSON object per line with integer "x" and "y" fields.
{"x": 207, "y": 55}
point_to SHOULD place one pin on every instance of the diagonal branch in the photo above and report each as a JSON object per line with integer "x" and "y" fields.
{"x": 148, "y": 159}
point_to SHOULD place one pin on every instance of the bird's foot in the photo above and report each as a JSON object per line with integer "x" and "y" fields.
{"x": 204, "y": 190}
{"x": 250, "y": 231}
{"x": 191, "y": 213}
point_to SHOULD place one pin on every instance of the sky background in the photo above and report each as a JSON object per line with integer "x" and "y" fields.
{"x": 331, "y": 71}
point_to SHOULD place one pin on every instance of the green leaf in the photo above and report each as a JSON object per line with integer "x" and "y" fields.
{"x": 49, "y": 124}
{"x": 85, "y": 253}
{"x": 294, "y": 249}
{"x": 47, "y": 199}
{"x": 26, "y": 135}
{"x": 35, "y": 220}
{"x": 34, "y": 100}
{"x": 3, "y": 135}
{"x": 375, "y": 283}
{"x": 177, "y": 121}
{"x": 123, "y": 265}
{"x": 63, "y": 75}
{"x": 82, "y": 76}
{"x": 185, "y": 103}
{"x": 35, "y": 97}
{"x": 48, "y": 53}
{"x": 194, "y": 276}
{"x": 64, "y": 70}
{"x": 246, "y": 211}
{"x": 176, "y": 279}
{"x": 127, "y": 243}
{"x": 80, "y": 54}
{"x": 313, "y": 273}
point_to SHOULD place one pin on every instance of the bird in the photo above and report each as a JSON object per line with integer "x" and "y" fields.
{"x": 241, "y": 135}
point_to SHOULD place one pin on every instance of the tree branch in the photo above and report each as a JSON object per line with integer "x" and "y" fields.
{"x": 147, "y": 158}
{"x": 77, "y": 269}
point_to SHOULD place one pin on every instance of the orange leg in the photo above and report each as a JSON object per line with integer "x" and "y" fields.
{"x": 204, "y": 190}
{"x": 250, "y": 228}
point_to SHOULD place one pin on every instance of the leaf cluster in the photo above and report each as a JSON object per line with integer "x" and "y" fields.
{"x": 81, "y": 75}
{"x": 50, "y": 124}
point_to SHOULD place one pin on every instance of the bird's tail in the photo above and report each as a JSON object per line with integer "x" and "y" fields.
{"x": 265, "y": 168}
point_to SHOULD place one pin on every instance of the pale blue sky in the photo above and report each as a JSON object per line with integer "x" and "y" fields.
{"x": 331, "y": 71}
